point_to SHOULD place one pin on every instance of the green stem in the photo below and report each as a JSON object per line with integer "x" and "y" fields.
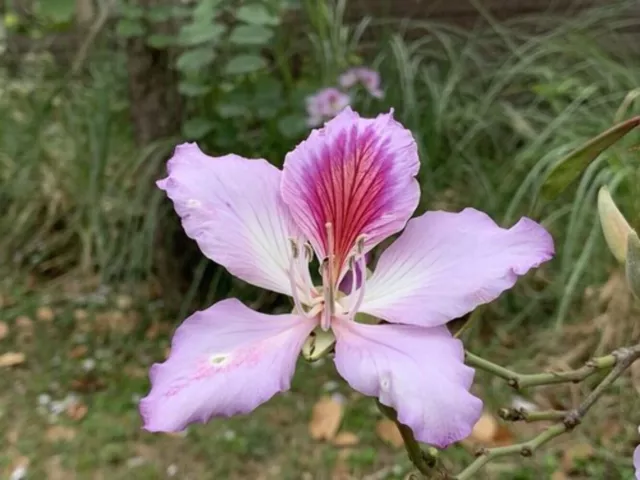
{"x": 620, "y": 360}
{"x": 520, "y": 380}
{"x": 524, "y": 415}
{"x": 526, "y": 449}
{"x": 424, "y": 461}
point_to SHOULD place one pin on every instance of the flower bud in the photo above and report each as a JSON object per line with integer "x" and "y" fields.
{"x": 318, "y": 345}
{"x": 632, "y": 264}
{"x": 615, "y": 227}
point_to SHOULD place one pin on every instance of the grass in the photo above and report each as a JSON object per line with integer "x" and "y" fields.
{"x": 491, "y": 110}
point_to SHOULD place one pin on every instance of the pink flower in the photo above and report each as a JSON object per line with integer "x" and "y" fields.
{"x": 325, "y": 104}
{"x": 342, "y": 191}
{"x": 636, "y": 461}
{"x": 370, "y": 80}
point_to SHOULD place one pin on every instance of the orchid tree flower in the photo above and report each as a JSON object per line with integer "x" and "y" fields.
{"x": 636, "y": 460}
{"x": 342, "y": 191}
{"x": 325, "y": 104}
{"x": 368, "y": 78}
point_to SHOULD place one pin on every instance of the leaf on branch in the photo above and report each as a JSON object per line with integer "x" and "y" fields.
{"x": 569, "y": 168}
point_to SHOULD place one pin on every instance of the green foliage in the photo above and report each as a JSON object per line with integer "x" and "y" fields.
{"x": 572, "y": 166}
{"x": 220, "y": 50}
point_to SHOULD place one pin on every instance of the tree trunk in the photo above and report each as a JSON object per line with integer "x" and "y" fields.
{"x": 153, "y": 86}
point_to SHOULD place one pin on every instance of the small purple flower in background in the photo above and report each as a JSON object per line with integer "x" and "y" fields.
{"x": 325, "y": 104}
{"x": 341, "y": 192}
{"x": 369, "y": 79}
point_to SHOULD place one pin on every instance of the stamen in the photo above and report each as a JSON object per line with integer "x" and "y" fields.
{"x": 360, "y": 244}
{"x": 360, "y": 298}
{"x": 295, "y": 251}
{"x": 354, "y": 272}
{"x": 328, "y": 279}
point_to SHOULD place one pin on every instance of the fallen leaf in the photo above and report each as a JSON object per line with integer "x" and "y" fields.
{"x": 45, "y": 314}
{"x": 55, "y": 471}
{"x": 13, "y": 436}
{"x": 88, "y": 384}
{"x": 388, "y": 432}
{"x": 24, "y": 324}
{"x": 4, "y": 330}
{"x": 576, "y": 453}
{"x": 346, "y": 439}
{"x": 117, "y": 321}
{"x": 124, "y": 302}
{"x": 325, "y": 418}
{"x": 135, "y": 371}
{"x": 10, "y": 359}
{"x": 77, "y": 411}
{"x": 558, "y": 475}
{"x": 485, "y": 429}
{"x": 503, "y": 437}
{"x": 78, "y": 351}
{"x": 60, "y": 433}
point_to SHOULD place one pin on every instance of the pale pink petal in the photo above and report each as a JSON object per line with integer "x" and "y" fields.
{"x": 446, "y": 264}
{"x": 232, "y": 207}
{"x": 357, "y": 174}
{"x": 371, "y": 81}
{"x": 636, "y": 461}
{"x": 418, "y": 371}
{"x": 224, "y": 360}
{"x": 349, "y": 78}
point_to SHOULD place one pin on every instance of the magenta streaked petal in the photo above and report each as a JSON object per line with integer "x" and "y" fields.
{"x": 225, "y": 360}
{"x": 232, "y": 207}
{"x": 417, "y": 371}
{"x": 446, "y": 264}
{"x": 357, "y": 174}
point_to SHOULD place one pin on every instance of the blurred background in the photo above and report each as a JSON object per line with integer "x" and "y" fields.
{"x": 96, "y": 273}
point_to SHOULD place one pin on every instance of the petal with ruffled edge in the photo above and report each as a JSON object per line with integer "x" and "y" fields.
{"x": 224, "y": 360}
{"x": 446, "y": 264}
{"x": 357, "y": 174}
{"x": 418, "y": 371}
{"x": 636, "y": 461}
{"x": 233, "y": 209}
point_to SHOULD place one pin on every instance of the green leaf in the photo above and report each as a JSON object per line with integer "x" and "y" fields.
{"x": 160, "y": 13}
{"x": 131, "y": 11}
{"x": 292, "y": 126}
{"x": 241, "y": 64}
{"x": 195, "y": 59}
{"x": 190, "y": 89}
{"x": 206, "y": 10}
{"x": 231, "y": 110}
{"x": 200, "y": 32}
{"x": 569, "y": 168}
{"x": 160, "y": 41}
{"x": 58, "y": 11}
{"x": 256, "y": 14}
{"x": 129, "y": 28}
{"x": 197, "y": 128}
{"x": 250, "y": 35}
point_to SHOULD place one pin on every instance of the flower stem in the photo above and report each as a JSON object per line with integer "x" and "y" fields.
{"x": 522, "y": 414}
{"x": 619, "y": 361}
{"x": 520, "y": 380}
{"x": 424, "y": 461}
{"x": 526, "y": 449}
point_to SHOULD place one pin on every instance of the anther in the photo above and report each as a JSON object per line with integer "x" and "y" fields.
{"x": 295, "y": 251}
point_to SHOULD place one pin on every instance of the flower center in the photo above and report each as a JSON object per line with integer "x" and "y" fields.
{"x": 325, "y": 302}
